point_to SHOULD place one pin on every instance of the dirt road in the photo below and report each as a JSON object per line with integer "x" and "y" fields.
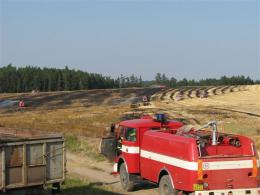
{"x": 99, "y": 174}
{"x": 195, "y": 111}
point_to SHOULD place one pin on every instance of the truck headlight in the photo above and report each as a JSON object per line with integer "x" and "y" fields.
{"x": 205, "y": 185}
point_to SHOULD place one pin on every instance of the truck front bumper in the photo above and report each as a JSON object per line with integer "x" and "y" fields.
{"x": 249, "y": 191}
{"x": 115, "y": 169}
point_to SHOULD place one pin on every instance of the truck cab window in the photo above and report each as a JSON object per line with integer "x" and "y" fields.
{"x": 130, "y": 134}
{"x": 121, "y": 131}
{"x": 120, "y": 138}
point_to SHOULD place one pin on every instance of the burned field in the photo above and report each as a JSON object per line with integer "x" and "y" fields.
{"x": 83, "y": 117}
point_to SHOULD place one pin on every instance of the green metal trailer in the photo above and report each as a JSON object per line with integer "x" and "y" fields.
{"x": 31, "y": 158}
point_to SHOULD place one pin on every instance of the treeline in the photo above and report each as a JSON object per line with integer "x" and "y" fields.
{"x": 26, "y": 79}
{"x": 162, "y": 79}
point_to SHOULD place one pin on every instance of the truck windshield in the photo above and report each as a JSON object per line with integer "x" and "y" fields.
{"x": 130, "y": 134}
{"x": 121, "y": 131}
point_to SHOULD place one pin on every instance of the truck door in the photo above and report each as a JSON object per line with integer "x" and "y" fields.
{"x": 108, "y": 147}
{"x": 131, "y": 150}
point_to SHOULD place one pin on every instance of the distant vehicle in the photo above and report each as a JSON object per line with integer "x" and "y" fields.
{"x": 146, "y": 101}
{"x": 183, "y": 161}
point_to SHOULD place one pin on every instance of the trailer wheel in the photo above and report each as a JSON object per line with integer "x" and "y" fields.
{"x": 165, "y": 186}
{"x": 126, "y": 180}
{"x": 55, "y": 188}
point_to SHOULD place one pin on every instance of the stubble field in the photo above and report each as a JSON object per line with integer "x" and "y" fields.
{"x": 83, "y": 117}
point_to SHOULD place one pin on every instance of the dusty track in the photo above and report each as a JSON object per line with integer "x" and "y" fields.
{"x": 99, "y": 174}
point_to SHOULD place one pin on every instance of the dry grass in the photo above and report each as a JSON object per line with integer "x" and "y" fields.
{"x": 83, "y": 121}
{"x": 226, "y": 108}
{"x": 84, "y": 118}
{"x": 88, "y": 113}
{"x": 85, "y": 146}
{"x": 84, "y": 113}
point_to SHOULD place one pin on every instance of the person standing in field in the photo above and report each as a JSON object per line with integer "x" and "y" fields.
{"x": 21, "y": 105}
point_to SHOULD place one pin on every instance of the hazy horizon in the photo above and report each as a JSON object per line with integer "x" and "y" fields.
{"x": 184, "y": 39}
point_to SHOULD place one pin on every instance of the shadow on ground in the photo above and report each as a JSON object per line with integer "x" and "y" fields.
{"x": 145, "y": 185}
{"x": 90, "y": 189}
{"x": 93, "y": 188}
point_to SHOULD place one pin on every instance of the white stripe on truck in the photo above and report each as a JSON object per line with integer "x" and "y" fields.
{"x": 220, "y": 165}
{"x": 193, "y": 166}
{"x": 130, "y": 149}
{"x": 170, "y": 160}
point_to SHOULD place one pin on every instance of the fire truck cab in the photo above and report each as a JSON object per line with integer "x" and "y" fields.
{"x": 182, "y": 161}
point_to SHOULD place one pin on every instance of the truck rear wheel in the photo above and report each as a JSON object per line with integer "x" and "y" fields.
{"x": 125, "y": 178}
{"x": 165, "y": 186}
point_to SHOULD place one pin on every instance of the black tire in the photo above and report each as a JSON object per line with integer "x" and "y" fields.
{"x": 55, "y": 188}
{"x": 126, "y": 180}
{"x": 165, "y": 186}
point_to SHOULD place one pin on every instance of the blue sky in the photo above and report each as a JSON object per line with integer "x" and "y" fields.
{"x": 188, "y": 38}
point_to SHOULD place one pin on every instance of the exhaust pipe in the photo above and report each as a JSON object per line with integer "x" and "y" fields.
{"x": 212, "y": 124}
{"x": 214, "y": 133}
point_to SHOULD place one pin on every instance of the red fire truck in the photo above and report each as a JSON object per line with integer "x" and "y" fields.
{"x": 181, "y": 160}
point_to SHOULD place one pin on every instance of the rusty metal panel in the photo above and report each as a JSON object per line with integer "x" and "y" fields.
{"x": 36, "y": 174}
{"x": 14, "y": 156}
{"x": 13, "y": 162}
{"x": 54, "y": 159}
{"x": 1, "y": 167}
{"x": 35, "y": 163}
{"x": 31, "y": 161}
{"x": 34, "y": 154}
{"x": 13, "y": 175}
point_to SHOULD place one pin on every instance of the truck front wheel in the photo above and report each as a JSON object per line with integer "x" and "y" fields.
{"x": 126, "y": 180}
{"x": 165, "y": 186}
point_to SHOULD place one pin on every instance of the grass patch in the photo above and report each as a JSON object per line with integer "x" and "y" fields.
{"x": 76, "y": 186}
{"x": 76, "y": 144}
{"x": 239, "y": 129}
{"x": 72, "y": 186}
